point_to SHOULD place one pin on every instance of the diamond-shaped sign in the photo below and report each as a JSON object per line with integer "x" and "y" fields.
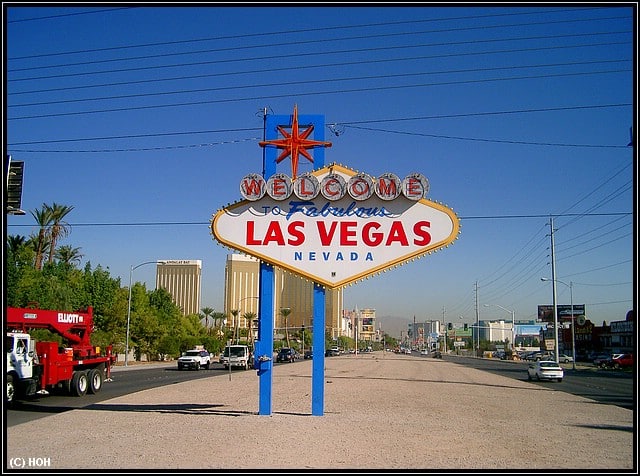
{"x": 337, "y": 242}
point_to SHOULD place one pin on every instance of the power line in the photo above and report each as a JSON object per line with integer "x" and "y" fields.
{"x": 315, "y": 81}
{"x": 342, "y": 123}
{"x": 208, "y": 223}
{"x": 351, "y": 62}
{"x": 316, "y": 93}
{"x": 22, "y": 20}
{"x": 309, "y": 30}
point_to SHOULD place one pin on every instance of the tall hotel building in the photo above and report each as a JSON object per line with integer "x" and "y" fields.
{"x": 242, "y": 293}
{"x": 181, "y": 279}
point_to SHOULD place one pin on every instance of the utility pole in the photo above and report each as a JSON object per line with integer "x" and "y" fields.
{"x": 477, "y": 342}
{"x": 446, "y": 336}
{"x": 415, "y": 331}
{"x": 555, "y": 301}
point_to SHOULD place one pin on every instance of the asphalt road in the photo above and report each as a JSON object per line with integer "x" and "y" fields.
{"x": 605, "y": 386}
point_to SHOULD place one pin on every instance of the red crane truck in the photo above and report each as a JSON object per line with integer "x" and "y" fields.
{"x": 37, "y": 367}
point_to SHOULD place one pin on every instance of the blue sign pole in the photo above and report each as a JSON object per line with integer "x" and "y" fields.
{"x": 263, "y": 349}
{"x": 317, "y": 376}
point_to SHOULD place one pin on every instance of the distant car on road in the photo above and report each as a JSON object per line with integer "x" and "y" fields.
{"x": 545, "y": 370}
{"x": 194, "y": 359}
{"x": 308, "y": 354}
{"x": 564, "y": 358}
{"x": 286, "y": 354}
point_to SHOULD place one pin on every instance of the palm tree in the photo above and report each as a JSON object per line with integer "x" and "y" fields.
{"x": 43, "y": 219}
{"x": 58, "y": 228}
{"x": 217, "y": 317}
{"x": 15, "y": 242}
{"x": 284, "y": 312}
{"x": 206, "y": 312}
{"x": 249, "y": 317}
{"x": 67, "y": 254}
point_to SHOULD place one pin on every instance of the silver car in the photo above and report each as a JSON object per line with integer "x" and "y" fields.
{"x": 545, "y": 370}
{"x": 565, "y": 359}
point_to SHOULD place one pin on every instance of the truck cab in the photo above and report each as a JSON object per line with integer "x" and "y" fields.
{"x": 21, "y": 356}
{"x": 236, "y": 356}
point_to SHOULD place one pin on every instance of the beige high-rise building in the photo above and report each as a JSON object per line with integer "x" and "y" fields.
{"x": 181, "y": 279}
{"x": 242, "y": 292}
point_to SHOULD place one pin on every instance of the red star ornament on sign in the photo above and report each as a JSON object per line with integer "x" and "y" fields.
{"x": 295, "y": 143}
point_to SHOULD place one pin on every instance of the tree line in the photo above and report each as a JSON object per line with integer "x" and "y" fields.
{"x": 41, "y": 273}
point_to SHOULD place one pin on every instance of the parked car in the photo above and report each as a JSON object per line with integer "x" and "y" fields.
{"x": 549, "y": 356}
{"x": 437, "y": 354}
{"x": 564, "y": 358}
{"x": 532, "y": 355}
{"x": 331, "y": 352}
{"x": 599, "y": 358}
{"x": 286, "y": 354}
{"x": 308, "y": 354}
{"x": 545, "y": 370}
{"x": 618, "y": 361}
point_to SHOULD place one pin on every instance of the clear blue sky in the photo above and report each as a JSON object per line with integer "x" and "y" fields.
{"x": 144, "y": 119}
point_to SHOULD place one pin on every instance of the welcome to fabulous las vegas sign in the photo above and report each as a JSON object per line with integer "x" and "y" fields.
{"x": 334, "y": 226}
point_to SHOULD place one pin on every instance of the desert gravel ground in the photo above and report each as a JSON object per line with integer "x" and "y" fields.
{"x": 381, "y": 411}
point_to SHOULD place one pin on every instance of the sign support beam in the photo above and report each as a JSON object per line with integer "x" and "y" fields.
{"x": 264, "y": 345}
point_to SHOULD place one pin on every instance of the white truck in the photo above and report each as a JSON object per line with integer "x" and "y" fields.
{"x": 236, "y": 356}
{"x": 194, "y": 359}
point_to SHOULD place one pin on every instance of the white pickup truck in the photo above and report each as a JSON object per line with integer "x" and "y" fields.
{"x": 240, "y": 357}
{"x": 194, "y": 359}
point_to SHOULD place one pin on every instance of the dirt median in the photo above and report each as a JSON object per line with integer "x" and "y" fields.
{"x": 380, "y": 412}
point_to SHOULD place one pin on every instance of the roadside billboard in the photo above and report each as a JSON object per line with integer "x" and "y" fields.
{"x": 545, "y": 312}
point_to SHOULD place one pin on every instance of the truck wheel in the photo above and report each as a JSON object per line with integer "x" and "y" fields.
{"x": 11, "y": 390}
{"x": 79, "y": 383}
{"x": 96, "y": 378}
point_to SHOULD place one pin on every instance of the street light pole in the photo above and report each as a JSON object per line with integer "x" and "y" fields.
{"x": 126, "y": 344}
{"x": 573, "y": 320}
{"x": 513, "y": 322}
